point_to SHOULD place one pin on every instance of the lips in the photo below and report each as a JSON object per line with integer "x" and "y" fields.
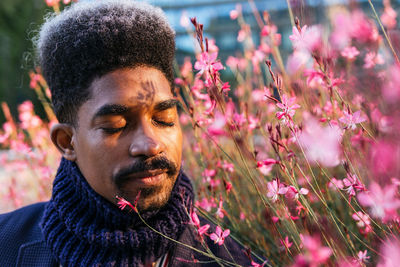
{"x": 147, "y": 178}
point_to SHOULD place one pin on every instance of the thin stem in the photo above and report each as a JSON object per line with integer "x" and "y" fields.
{"x": 384, "y": 31}
{"x": 290, "y": 12}
{"x": 188, "y": 246}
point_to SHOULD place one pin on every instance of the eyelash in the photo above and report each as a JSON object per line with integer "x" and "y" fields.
{"x": 116, "y": 130}
{"x": 164, "y": 124}
{"x": 112, "y": 130}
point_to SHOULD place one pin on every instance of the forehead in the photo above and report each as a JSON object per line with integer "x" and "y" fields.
{"x": 140, "y": 86}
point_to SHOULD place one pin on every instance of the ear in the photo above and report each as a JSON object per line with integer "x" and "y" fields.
{"x": 62, "y": 137}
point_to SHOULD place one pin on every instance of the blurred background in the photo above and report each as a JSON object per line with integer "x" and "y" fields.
{"x": 20, "y": 20}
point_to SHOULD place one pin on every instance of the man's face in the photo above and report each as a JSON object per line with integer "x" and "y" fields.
{"x": 128, "y": 138}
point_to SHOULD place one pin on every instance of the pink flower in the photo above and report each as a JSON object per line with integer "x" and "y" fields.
{"x": 353, "y": 185}
{"x": 220, "y": 211}
{"x": 123, "y": 203}
{"x": 340, "y": 37}
{"x": 294, "y": 193}
{"x": 228, "y": 166}
{"x": 371, "y": 59}
{"x": 207, "y": 63}
{"x": 359, "y": 139}
{"x": 265, "y": 48}
{"x": 184, "y": 20}
{"x": 253, "y": 123}
{"x": 225, "y": 88}
{"x": 216, "y": 128}
{"x": 297, "y": 37}
{"x": 314, "y": 77}
{"x": 296, "y": 61}
{"x": 350, "y": 120}
{"x": 362, "y": 256}
{"x": 195, "y": 219}
{"x": 390, "y": 256}
{"x": 235, "y": 63}
{"x": 206, "y": 204}
{"x": 212, "y": 47}
{"x": 35, "y": 78}
{"x": 362, "y": 29}
{"x": 321, "y": 144}
{"x": 275, "y": 188}
{"x": 257, "y": 57}
{"x": 186, "y": 69}
{"x": 20, "y": 147}
{"x": 209, "y": 173}
{"x": 241, "y": 35}
{"x": 391, "y": 89}
{"x": 52, "y": 3}
{"x": 196, "y": 222}
{"x": 228, "y": 187}
{"x": 265, "y": 169}
{"x": 384, "y": 158}
{"x": 288, "y": 107}
{"x": 27, "y": 117}
{"x": 8, "y": 129}
{"x": 335, "y": 184}
{"x": 257, "y": 95}
{"x": 383, "y": 202}
{"x": 233, "y": 14}
{"x": 219, "y": 236}
{"x": 255, "y": 264}
{"x": 316, "y": 253}
{"x": 239, "y": 119}
{"x": 277, "y": 39}
{"x": 307, "y": 39}
{"x": 389, "y": 17}
{"x": 265, "y": 30}
{"x": 210, "y": 105}
{"x": 285, "y": 244}
{"x": 350, "y": 52}
{"x": 25, "y": 107}
{"x": 363, "y": 221}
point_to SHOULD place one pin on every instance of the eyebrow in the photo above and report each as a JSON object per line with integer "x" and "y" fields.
{"x": 111, "y": 109}
{"x": 167, "y": 104}
{"x": 117, "y": 109}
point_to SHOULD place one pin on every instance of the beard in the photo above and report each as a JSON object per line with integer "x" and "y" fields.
{"x": 153, "y": 197}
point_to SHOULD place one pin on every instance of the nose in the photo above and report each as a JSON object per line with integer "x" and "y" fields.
{"x": 145, "y": 142}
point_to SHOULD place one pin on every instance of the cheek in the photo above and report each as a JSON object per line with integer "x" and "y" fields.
{"x": 96, "y": 141}
{"x": 173, "y": 143}
{"x": 96, "y": 153}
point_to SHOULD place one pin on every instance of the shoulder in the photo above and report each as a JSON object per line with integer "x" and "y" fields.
{"x": 21, "y": 219}
{"x": 231, "y": 251}
{"x": 19, "y": 227}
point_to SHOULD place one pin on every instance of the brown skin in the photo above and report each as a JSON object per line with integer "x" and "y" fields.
{"x": 130, "y": 118}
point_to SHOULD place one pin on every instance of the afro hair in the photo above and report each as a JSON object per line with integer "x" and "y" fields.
{"x": 92, "y": 38}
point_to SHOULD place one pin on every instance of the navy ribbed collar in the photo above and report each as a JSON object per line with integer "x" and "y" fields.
{"x": 84, "y": 229}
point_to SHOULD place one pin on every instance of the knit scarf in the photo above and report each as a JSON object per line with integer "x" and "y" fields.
{"x": 84, "y": 229}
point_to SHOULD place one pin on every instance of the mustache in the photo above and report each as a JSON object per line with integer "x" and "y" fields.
{"x": 156, "y": 163}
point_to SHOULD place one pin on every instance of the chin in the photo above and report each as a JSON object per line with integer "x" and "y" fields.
{"x": 152, "y": 198}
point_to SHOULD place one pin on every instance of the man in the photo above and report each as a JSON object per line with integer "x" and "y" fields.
{"x": 109, "y": 67}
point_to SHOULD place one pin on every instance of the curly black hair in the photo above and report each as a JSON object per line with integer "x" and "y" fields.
{"x": 93, "y": 38}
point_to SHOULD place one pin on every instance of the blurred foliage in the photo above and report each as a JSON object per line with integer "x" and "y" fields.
{"x": 19, "y": 19}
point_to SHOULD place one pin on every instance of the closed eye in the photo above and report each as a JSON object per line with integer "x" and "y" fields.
{"x": 163, "y": 123}
{"x": 112, "y": 130}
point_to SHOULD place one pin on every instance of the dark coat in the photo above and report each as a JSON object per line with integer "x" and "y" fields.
{"x": 22, "y": 243}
